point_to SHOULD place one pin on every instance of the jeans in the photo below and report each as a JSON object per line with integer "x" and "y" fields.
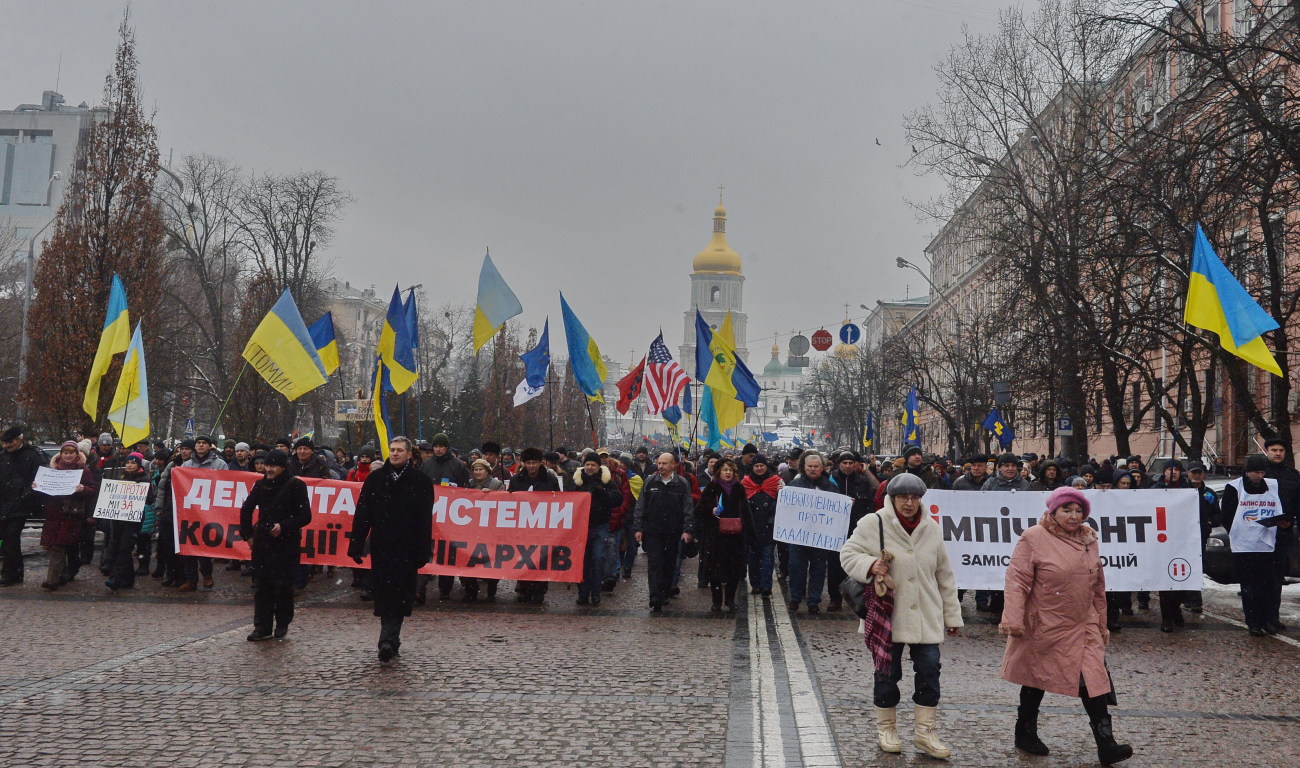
{"x": 925, "y": 662}
{"x": 661, "y": 556}
{"x": 11, "y": 551}
{"x": 807, "y": 574}
{"x": 613, "y": 558}
{"x": 595, "y": 561}
{"x": 630, "y": 549}
{"x": 761, "y": 560}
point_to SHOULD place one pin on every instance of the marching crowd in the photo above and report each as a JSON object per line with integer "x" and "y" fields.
{"x": 719, "y": 510}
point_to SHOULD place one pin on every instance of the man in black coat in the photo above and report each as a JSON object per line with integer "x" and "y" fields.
{"x": 532, "y": 477}
{"x": 395, "y": 512}
{"x": 18, "y": 465}
{"x": 284, "y": 509}
{"x": 664, "y": 517}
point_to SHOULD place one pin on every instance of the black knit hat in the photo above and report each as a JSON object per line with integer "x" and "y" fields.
{"x": 441, "y": 439}
{"x": 911, "y": 450}
{"x": 277, "y": 458}
{"x": 304, "y": 441}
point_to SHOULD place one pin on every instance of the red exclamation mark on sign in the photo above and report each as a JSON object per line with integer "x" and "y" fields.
{"x": 1160, "y": 525}
{"x": 934, "y": 512}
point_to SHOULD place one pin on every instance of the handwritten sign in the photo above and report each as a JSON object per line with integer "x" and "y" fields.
{"x": 57, "y": 482}
{"x": 812, "y": 518}
{"x": 121, "y": 500}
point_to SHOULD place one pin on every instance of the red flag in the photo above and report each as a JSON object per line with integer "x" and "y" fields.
{"x": 629, "y": 387}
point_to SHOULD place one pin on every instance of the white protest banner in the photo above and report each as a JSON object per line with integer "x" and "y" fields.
{"x": 57, "y": 482}
{"x": 121, "y": 500}
{"x": 1148, "y": 540}
{"x": 812, "y": 518}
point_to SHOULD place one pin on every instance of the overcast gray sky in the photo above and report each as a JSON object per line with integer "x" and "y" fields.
{"x": 582, "y": 141}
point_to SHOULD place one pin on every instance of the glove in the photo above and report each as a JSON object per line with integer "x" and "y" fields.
{"x": 357, "y": 559}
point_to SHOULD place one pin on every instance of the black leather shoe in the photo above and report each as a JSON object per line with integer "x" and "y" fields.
{"x": 280, "y": 632}
{"x": 814, "y": 609}
{"x": 1257, "y": 632}
{"x": 258, "y": 635}
{"x": 1274, "y": 626}
{"x": 1167, "y": 625}
{"x": 386, "y": 652}
{"x": 9, "y": 582}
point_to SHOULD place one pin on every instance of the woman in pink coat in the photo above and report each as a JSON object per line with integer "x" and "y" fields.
{"x": 1055, "y": 619}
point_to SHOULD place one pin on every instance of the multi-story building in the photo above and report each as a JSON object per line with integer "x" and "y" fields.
{"x": 38, "y": 148}
{"x": 358, "y": 318}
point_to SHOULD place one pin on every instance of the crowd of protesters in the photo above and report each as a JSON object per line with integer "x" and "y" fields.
{"x": 719, "y": 508}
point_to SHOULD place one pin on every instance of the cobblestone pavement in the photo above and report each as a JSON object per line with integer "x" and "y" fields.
{"x": 154, "y": 677}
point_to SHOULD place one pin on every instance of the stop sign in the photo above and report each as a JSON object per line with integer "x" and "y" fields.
{"x": 821, "y": 340}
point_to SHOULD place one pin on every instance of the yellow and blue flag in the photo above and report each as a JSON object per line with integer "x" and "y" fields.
{"x": 869, "y": 431}
{"x": 412, "y": 321}
{"x": 281, "y": 350}
{"x": 379, "y": 409}
{"x": 326, "y": 342}
{"x": 115, "y": 337}
{"x": 995, "y": 424}
{"x": 734, "y": 387}
{"x": 496, "y": 304}
{"x": 129, "y": 413}
{"x": 584, "y": 356}
{"x": 1217, "y": 302}
{"x": 395, "y": 349}
{"x": 911, "y": 419}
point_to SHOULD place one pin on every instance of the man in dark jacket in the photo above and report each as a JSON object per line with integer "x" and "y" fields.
{"x": 975, "y": 478}
{"x": 807, "y": 575}
{"x": 305, "y": 462}
{"x": 18, "y": 465}
{"x": 531, "y": 477}
{"x": 284, "y": 509}
{"x": 395, "y": 513}
{"x": 854, "y": 484}
{"x": 663, "y": 517}
{"x": 443, "y": 468}
{"x": 597, "y": 480}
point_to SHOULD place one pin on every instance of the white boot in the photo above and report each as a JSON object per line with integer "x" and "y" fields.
{"x": 926, "y": 739}
{"x": 887, "y": 730}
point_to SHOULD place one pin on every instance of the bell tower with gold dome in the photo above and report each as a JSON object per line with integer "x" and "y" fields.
{"x": 717, "y": 287}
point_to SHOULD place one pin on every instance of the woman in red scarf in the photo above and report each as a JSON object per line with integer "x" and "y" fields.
{"x": 761, "y": 487}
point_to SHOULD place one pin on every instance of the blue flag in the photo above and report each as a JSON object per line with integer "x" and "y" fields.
{"x": 995, "y": 424}
{"x": 537, "y": 362}
{"x": 911, "y": 419}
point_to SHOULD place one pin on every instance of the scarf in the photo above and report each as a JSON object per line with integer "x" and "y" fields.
{"x": 78, "y": 462}
{"x": 727, "y": 486}
{"x": 1083, "y": 537}
{"x": 908, "y": 525}
{"x": 768, "y": 485}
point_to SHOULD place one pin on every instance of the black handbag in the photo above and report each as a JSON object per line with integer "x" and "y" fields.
{"x": 852, "y": 591}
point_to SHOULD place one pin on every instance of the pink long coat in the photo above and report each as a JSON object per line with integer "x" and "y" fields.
{"x": 1056, "y": 590}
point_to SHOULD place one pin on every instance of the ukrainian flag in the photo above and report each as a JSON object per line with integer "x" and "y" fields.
{"x": 584, "y": 356}
{"x": 129, "y": 413}
{"x": 496, "y": 304}
{"x": 281, "y": 350}
{"x": 1217, "y": 302}
{"x": 869, "y": 431}
{"x": 115, "y": 337}
{"x": 326, "y": 342}
{"x": 380, "y": 413}
{"x": 734, "y": 387}
{"x": 395, "y": 348}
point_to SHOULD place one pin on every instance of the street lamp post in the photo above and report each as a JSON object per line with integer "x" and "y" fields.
{"x": 27, "y": 298}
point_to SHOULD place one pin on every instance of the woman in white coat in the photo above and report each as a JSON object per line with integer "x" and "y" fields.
{"x": 925, "y": 604}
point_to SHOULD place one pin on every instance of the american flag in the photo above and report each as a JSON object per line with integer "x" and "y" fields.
{"x": 664, "y": 378}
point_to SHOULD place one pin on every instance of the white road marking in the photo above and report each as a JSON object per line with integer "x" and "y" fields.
{"x": 1235, "y": 623}
{"x": 816, "y": 743}
{"x": 769, "y": 747}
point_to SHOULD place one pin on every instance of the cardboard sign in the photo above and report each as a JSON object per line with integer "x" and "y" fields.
{"x": 812, "y": 518}
{"x": 121, "y": 500}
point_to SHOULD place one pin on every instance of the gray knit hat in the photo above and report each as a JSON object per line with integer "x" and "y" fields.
{"x": 905, "y": 483}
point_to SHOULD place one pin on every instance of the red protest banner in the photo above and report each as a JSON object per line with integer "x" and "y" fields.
{"x": 501, "y": 535}
{"x": 488, "y": 534}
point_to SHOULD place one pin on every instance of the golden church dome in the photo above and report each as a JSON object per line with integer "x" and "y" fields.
{"x": 718, "y": 257}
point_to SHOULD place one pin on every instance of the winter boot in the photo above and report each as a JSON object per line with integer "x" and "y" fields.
{"x": 1027, "y": 732}
{"x": 925, "y": 739}
{"x": 887, "y": 730}
{"x": 1109, "y": 751}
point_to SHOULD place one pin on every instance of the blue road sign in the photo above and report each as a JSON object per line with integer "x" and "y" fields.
{"x": 850, "y": 333}
{"x": 1064, "y": 426}
{"x": 189, "y": 427}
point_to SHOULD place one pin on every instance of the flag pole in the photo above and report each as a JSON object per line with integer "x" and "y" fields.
{"x": 592, "y": 422}
{"x": 231, "y": 394}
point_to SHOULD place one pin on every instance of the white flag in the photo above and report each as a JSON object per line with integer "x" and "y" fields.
{"x": 524, "y": 392}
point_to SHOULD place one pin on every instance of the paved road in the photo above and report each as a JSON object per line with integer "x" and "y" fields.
{"x": 153, "y": 677}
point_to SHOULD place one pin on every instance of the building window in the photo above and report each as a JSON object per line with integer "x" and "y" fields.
{"x": 715, "y": 294}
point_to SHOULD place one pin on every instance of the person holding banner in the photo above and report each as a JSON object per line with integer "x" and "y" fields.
{"x": 722, "y": 521}
{"x": 65, "y": 516}
{"x": 532, "y": 476}
{"x": 925, "y": 605}
{"x": 596, "y": 479}
{"x": 395, "y": 513}
{"x": 1055, "y": 622}
{"x": 123, "y": 534}
{"x": 283, "y": 510}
